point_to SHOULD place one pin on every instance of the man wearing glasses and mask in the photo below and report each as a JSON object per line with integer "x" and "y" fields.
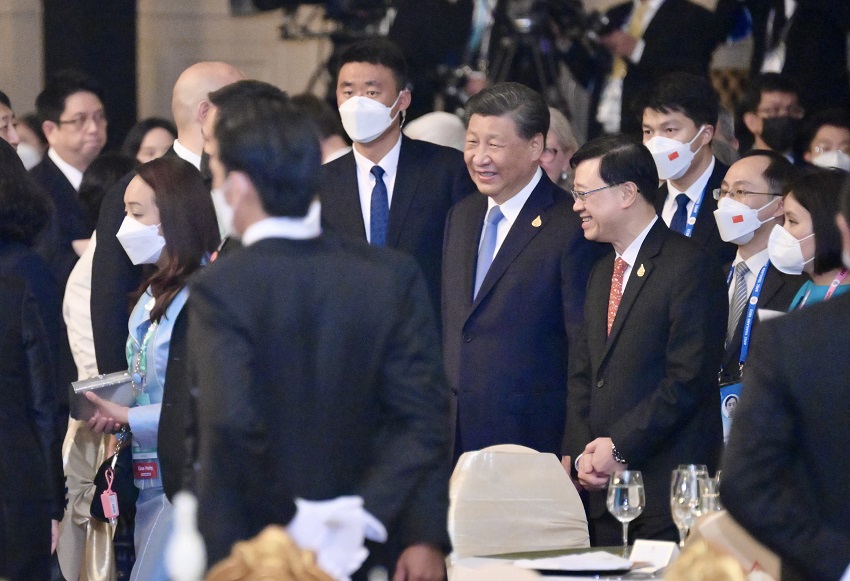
{"x": 749, "y": 206}
{"x": 772, "y": 113}
{"x": 75, "y": 127}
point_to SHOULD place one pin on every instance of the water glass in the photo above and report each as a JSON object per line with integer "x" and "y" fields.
{"x": 626, "y": 499}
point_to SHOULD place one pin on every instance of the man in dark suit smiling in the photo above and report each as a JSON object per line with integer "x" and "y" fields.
{"x": 643, "y": 391}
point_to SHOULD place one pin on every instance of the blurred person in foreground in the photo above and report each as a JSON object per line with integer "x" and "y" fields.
{"x": 785, "y": 469}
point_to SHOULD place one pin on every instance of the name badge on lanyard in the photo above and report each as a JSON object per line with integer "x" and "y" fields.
{"x": 692, "y": 219}
{"x": 730, "y": 393}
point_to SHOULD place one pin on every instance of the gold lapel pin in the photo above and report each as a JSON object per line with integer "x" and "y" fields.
{"x": 537, "y": 222}
{"x": 641, "y": 270}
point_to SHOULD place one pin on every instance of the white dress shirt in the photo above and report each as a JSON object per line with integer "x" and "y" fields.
{"x": 310, "y": 226}
{"x": 694, "y": 192}
{"x": 185, "y": 154}
{"x": 366, "y": 181}
{"x": 630, "y": 253}
{"x": 71, "y": 173}
{"x": 510, "y": 210}
{"x": 755, "y": 263}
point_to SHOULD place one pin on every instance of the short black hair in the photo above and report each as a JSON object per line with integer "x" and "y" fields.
{"x": 4, "y": 99}
{"x": 779, "y": 171}
{"x": 817, "y": 190}
{"x": 685, "y": 93}
{"x": 379, "y": 51}
{"x": 100, "y": 175}
{"x": 325, "y": 117}
{"x": 33, "y": 121}
{"x": 277, "y": 147}
{"x": 137, "y": 133}
{"x": 244, "y": 90}
{"x": 765, "y": 83}
{"x": 24, "y": 207}
{"x": 622, "y": 159}
{"x": 526, "y": 107}
{"x": 50, "y": 103}
{"x": 827, "y": 117}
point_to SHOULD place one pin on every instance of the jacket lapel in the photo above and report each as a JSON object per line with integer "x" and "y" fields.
{"x": 641, "y": 272}
{"x": 407, "y": 178}
{"x": 474, "y": 222}
{"x": 705, "y": 218}
{"x": 524, "y": 228}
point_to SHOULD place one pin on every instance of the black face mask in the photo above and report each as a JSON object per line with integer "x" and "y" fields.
{"x": 779, "y": 133}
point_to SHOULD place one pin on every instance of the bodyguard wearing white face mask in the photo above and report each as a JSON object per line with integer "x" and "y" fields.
{"x": 390, "y": 190}
{"x": 749, "y": 206}
{"x": 810, "y": 241}
{"x": 678, "y": 126}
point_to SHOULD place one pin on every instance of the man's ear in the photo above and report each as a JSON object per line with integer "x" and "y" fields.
{"x": 202, "y": 112}
{"x": 753, "y": 123}
{"x": 630, "y": 194}
{"x": 50, "y": 128}
{"x": 537, "y": 143}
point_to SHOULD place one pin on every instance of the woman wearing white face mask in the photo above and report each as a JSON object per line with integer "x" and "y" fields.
{"x": 810, "y": 241}
{"x": 170, "y": 224}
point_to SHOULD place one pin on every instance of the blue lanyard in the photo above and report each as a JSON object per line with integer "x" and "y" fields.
{"x": 751, "y": 310}
{"x": 692, "y": 220}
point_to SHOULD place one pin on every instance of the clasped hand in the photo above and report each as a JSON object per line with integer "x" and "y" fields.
{"x": 597, "y": 464}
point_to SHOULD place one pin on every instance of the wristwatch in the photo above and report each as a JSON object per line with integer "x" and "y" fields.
{"x": 617, "y": 456}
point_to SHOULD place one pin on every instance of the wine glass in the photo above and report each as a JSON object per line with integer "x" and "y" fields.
{"x": 626, "y": 499}
{"x": 686, "y": 485}
{"x": 710, "y": 495}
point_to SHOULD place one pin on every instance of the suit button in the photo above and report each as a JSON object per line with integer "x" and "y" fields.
{"x": 467, "y": 337}
{"x": 454, "y": 390}
{"x": 600, "y": 383}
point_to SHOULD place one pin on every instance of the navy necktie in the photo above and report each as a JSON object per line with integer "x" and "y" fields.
{"x": 487, "y": 247}
{"x": 379, "y": 214}
{"x": 680, "y": 218}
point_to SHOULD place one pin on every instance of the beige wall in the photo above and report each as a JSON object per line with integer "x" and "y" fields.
{"x": 21, "y": 55}
{"x": 176, "y": 33}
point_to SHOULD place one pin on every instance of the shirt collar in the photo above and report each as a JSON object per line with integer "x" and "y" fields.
{"x": 511, "y": 208}
{"x": 697, "y": 188}
{"x": 755, "y": 262}
{"x": 309, "y": 226}
{"x": 389, "y": 163}
{"x": 630, "y": 254}
{"x": 71, "y": 173}
{"x": 184, "y": 153}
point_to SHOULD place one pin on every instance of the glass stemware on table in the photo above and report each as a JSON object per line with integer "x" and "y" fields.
{"x": 692, "y": 493}
{"x": 626, "y": 499}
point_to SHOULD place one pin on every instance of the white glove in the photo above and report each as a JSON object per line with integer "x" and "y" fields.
{"x": 335, "y": 530}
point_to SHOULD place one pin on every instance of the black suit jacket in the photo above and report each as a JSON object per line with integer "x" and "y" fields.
{"x": 651, "y": 386}
{"x": 31, "y": 455}
{"x": 705, "y": 230}
{"x": 785, "y": 468}
{"x": 429, "y": 180}
{"x": 173, "y": 428}
{"x": 815, "y": 50}
{"x": 506, "y": 351}
{"x": 778, "y": 291}
{"x": 322, "y": 381}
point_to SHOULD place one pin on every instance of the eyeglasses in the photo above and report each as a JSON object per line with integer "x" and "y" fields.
{"x": 548, "y": 154}
{"x": 794, "y": 111}
{"x": 80, "y": 121}
{"x": 577, "y": 195}
{"x": 739, "y": 195}
{"x": 819, "y": 149}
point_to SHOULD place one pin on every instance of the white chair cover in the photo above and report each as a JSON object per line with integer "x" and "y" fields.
{"x": 510, "y": 499}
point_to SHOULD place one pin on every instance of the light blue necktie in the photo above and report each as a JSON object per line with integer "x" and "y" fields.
{"x": 379, "y": 214}
{"x": 487, "y": 248}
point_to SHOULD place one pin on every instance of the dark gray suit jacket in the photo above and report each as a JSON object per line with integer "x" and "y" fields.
{"x": 785, "y": 468}
{"x": 323, "y": 380}
{"x": 651, "y": 386}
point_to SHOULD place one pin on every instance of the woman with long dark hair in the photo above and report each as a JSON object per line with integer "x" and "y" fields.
{"x": 171, "y": 225}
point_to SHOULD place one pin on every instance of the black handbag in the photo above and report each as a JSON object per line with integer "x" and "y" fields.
{"x": 122, "y": 483}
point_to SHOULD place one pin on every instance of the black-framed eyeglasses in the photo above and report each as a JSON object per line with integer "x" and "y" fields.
{"x": 548, "y": 154}
{"x": 80, "y": 121}
{"x": 577, "y": 195}
{"x": 739, "y": 195}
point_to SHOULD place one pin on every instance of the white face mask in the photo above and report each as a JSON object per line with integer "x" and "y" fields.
{"x": 672, "y": 157}
{"x": 223, "y": 213}
{"x": 365, "y": 119}
{"x": 29, "y": 155}
{"x": 786, "y": 252}
{"x": 143, "y": 244}
{"x": 834, "y": 158}
{"x": 736, "y": 222}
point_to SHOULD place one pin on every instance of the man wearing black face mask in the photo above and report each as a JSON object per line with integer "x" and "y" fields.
{"x": 772, "y": 114}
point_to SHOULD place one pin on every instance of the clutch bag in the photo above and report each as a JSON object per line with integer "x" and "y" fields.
{"x": 115, "y": 387}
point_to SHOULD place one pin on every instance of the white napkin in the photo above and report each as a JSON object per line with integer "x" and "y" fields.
{"x": 593, "y": 561}
{"x": 335, "y": 530}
